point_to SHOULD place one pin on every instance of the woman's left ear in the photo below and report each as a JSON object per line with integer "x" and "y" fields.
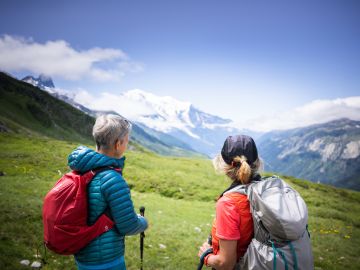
{"x": 117, "y": 144}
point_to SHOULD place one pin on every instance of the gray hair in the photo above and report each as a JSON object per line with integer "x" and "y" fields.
{"x": 110, "y": 128}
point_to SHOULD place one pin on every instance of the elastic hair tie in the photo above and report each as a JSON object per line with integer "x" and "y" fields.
{"x": 236, "y": 163}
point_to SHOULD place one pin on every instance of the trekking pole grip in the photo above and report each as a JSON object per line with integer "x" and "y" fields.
{"x": 142, "y": 210}
{"x": 142, "y": 213}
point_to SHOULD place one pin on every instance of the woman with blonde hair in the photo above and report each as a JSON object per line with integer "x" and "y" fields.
{"x": 232, "y": 229}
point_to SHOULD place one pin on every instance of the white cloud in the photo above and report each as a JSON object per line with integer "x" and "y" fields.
{"x": 317, "y": 111}
{"x": 59, "y": 59}
{"x": 111, "y": 102}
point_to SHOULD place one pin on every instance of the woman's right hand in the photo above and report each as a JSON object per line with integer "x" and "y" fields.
{"x": 205, "y": 246}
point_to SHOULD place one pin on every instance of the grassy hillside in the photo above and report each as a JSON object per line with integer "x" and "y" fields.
{"x": 24, "y": 108}
{"x": 178, "y": 194}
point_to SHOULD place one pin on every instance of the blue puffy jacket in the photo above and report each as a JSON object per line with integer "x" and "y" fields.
{"x": 108, "y": 191}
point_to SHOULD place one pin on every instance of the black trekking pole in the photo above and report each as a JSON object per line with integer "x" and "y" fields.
{"x": 142, "y": 236}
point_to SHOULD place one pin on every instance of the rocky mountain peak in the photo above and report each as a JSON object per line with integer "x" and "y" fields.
{"x": 43, "y": 81}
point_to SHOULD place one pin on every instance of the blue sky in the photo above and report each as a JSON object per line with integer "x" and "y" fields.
{"x": 236, "y": 59}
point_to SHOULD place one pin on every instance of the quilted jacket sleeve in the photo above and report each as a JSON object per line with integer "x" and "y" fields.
{"x": 117, "y": 194}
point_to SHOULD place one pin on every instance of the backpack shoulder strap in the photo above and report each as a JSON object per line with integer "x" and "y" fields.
{"x": 106, "y": 168}
{"x": 241, "y": 189}
{"x": 89, "y": 175}
{"x": 238, "y": 187}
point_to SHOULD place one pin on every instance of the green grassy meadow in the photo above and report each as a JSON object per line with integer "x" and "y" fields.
{"x": 178, "y": 194}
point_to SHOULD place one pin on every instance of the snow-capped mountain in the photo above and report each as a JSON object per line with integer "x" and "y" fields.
{"x": 43, "y": 82}
{"x": 202, "y": 131}
{"x": 46, "y": 83}
{"x": 170, "y": 114}
{"x": 156, "y": 141}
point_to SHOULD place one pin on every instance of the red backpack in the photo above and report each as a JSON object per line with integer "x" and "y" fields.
{"x": 65, "y": 213}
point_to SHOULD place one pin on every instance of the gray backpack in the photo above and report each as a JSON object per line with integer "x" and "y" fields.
{"x": 281, "y": 239}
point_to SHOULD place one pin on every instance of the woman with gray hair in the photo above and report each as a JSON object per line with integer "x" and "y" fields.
{"x": 108, "y": 193}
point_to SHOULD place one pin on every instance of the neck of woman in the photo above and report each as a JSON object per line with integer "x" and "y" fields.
{"x": 109, "y": 152}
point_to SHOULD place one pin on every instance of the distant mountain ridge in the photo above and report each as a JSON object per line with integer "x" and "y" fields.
{"x": 154, "y": 140}
{"x": 171, "y": 120}
{"x": 328, "y": 153}
{"x": 27, "y": 108}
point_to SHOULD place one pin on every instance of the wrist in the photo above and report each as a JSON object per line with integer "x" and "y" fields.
{"x": 205, "y": 255}
{"x": 206, "y": 260}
